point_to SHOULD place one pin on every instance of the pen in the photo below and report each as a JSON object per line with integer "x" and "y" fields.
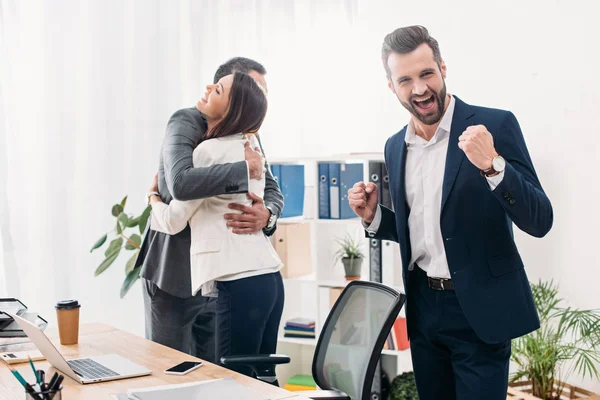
{"x": 52, "y": 380}
{"x": 57, "y": 383}
{"x": 37, "y": 378}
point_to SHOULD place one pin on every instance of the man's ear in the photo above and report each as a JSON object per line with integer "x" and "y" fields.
{"x": 391, "y": 86}
{"x": 443, "y": 69}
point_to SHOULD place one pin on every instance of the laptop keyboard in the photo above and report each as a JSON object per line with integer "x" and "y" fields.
{"x": 90, "y": 369}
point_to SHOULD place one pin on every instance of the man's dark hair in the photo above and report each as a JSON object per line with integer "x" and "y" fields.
{"x": 238, "y": 64}
{"x": 405, "y": 40}
{"x": 246, "y": 110}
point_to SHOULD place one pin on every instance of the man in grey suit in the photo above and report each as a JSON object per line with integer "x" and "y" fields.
{"x": 174, "y": 317}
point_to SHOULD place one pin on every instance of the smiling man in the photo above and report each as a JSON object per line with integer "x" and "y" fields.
{"x": 460, "y": 176}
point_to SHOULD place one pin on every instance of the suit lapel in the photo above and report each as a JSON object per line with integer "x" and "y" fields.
{"x": 455, "y": 156}
{"x": 401, "y": 152}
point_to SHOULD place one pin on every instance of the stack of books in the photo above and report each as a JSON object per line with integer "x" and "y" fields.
{"x": 300, "y": 382}
{"x": 398, "y": 337}
{"x": 300, "y": 328}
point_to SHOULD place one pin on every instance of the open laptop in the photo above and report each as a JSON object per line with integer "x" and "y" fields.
{"x": 109, "y": 367}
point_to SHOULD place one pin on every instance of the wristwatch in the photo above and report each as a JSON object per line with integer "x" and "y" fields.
{"x": 148, "y": 194}
{"x": 272, "y": 218}
{"x": 498, "y": 165}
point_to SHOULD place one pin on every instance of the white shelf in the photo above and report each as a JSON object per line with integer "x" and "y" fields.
{"x": 399, "y": 353}
{"x": 296, "y": 220}
{"x": 331, "y": 158}
{"x": 301, "y": 341}
{"x": 331, "y": 283}
{"x": 405, "y": 354}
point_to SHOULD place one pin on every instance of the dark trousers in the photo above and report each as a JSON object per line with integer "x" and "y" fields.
{"x": 248, "y": 315}
{"x": 449, "y": 360}
{"x": 184, "y": 324}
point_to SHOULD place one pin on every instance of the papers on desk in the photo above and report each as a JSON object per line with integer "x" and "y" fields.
{"x": 218, "y": 389}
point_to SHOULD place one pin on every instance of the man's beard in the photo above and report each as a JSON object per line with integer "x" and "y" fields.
{"x": 429, "y": 119}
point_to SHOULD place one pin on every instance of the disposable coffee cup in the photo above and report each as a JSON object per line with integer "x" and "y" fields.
{"x": 67, "y": 314}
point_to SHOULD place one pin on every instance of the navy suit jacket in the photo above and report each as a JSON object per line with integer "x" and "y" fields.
{"x": 476, "y": 223}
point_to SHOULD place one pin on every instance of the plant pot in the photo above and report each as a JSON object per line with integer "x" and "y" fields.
{"x": 522, "y": 391}
{"x": 352, "y": 267}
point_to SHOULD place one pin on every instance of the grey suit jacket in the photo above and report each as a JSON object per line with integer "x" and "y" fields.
{"x": 165, "y": 259}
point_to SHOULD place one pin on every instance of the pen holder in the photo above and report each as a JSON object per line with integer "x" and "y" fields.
{"x": 55, "y": 394}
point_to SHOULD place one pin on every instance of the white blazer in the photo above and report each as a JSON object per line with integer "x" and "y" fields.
{"x": 216, "y": 252}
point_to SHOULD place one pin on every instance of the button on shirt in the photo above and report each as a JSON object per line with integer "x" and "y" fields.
{"x": 425, "y": 167}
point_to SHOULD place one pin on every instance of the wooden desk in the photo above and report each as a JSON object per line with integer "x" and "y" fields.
{"x": 98, "y": 339}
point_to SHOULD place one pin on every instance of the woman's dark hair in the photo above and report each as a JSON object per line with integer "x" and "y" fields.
{"x": 246, "y": 110}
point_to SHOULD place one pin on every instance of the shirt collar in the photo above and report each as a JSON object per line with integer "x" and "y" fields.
{"x": 441, "y": 132}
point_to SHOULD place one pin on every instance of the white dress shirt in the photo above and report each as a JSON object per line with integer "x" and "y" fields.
{"x": 424, "y": 178}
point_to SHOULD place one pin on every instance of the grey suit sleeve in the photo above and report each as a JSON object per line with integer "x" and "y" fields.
{"x": 186, "y": 182}
{"x": 273, "y": 197}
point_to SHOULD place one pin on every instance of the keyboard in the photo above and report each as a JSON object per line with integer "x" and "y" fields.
{"x": 90, "y": 369}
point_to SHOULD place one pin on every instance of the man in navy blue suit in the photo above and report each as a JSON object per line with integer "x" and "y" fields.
{"x": 460, "y": 177}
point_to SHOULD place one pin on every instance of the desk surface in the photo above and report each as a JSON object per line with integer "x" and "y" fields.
{"x": 98, "y": 339}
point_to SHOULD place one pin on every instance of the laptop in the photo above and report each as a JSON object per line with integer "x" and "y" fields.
{"x": 104, "y": 368}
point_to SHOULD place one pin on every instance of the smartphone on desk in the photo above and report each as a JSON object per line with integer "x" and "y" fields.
{"x": 183, "y": 368}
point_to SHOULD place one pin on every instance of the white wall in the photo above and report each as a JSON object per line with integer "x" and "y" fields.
{"x": 95, "y": 87}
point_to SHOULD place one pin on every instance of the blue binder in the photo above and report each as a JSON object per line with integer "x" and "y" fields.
{"x": 334, "y": 191}
{"x": 324, "y": 191}
{"x": 276, "y": 172}
{"x": 349, "y": 175}
{"x": 291, "y": 183}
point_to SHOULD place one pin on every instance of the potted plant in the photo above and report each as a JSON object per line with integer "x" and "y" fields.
{"x": 566, "y": 336}
{"x": 122, "y": 240}
{"x": 404, "y": 387}
{"x": 351, "y": 256}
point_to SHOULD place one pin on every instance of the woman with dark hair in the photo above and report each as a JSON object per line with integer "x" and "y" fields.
{"x": 242, "y": 271}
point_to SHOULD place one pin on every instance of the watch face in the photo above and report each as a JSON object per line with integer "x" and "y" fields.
{"x": 499, "y": 164}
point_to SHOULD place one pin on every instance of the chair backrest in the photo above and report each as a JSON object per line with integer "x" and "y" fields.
{"x": 352, "y": 338}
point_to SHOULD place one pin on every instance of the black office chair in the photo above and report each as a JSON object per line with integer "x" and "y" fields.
{"x": 349, "y": 345}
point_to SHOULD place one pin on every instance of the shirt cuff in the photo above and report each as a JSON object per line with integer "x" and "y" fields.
{"x": 248, "y": 172}
{"x": 374, "y": 227}
{"x": 494, "y": 181}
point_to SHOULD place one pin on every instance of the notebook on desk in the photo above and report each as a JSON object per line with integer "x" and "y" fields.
{"x": 218, "y": 389}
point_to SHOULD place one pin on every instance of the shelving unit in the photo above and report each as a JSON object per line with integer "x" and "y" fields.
{"x": 308, "y": 295}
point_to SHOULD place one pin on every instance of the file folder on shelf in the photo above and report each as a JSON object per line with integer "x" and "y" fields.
{"x": 324, "y": 191}
{"x": 291, "y": 182}
{"x": 334, "y": 191}
{"x": 349, "y": 175}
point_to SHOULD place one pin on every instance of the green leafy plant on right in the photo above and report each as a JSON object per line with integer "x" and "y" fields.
{"x": 123, "y": 240}
{"x": 567, "y": 336}
{"x": 404, "y": 387}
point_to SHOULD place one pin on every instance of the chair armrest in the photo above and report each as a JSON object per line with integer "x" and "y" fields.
{"x": 257, "y": 359}
{"x": 324, "y": 394}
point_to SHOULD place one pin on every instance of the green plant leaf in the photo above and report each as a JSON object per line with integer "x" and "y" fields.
{"x": 124, "y": 201}
{"x": 143, "y": 219}
{"x": 114, "y": 245}
{"x": 117, "y": 210}
{"x": 98, "y": 243}
{"x": 133, "y": 222}
{"x": 131, "y": 263}
{"x": 107, "y": 262}
{"x": 136, "y": 239}
{"x": 130, "y": 279}
{"x": 119, "y": 228}
{"x": 123, "y": 219}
